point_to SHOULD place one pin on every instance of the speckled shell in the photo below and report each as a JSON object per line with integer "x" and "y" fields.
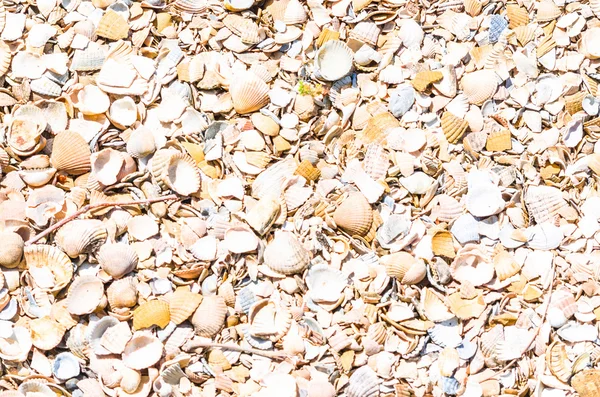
{"x": 154, "y": 312}
{"x": 209, "y": 318}
{"x": 354, "y": 215}
{"x": 182, "y": 304}
{"x": 285, "y": 254}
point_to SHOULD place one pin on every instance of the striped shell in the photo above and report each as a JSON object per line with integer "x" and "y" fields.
{"x": 249, "y": 93}
{"x": 154, "y": 312}
{"x": 285, "y": 254}
{"x": 182, "y": 304}
{"x": 71, "y": 153}
{"x": 453, "y": 127}
{"x": 81, "y": 236}
{"x": 54, "y": 260}
{"x": 209, "y": 318}
{"x": 354, "y": 215}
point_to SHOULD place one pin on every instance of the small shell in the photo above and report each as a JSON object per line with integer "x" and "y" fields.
{"x": 65, "y": 366}
{"x": 473, "y": 7}
{"x": 267, "y": 321}
{"x": 122, "y": 293}
{"x": 35, "y": 388}
{"x": 486, "y": 200}
{"x": 96, "y": 331}
{"x": 11, "y": 250}
{"x": 517, "y": 16}
{"x": 558, "y": 361}
{"x": 142, "y": 351}
{"x": 249, "y": 93}
{"x": 453, "y": 127}
{"x": 442, "y": 244}
{"x": 473, "y": 265}
{"x": 285, "y": 254}
{"x": 71, "y": 153}
{"x": 308, "y": 171}
{"x": 366, "y": 32}
{"x": 131, "y": 380}
{"x": 154, "y": 312}
{"x": 181, "y": 175}
{"x": 85, "y": 294}
{"x": 209, "y": 318}
{"x": 505, "y": 265}
{"x": 378, "y": 126}
{"x": 115, "y": 338}
{"x": 182, "y": 304}
{"x": 587, "y": 382}
{"x": 46, "y": 333}
{"x": 363, "y": 383}
{"x": 117, "y": 259}
{"x": 333, "y": 60}
{"x": 38, "y": 257}
{"x": 325, "y": 283}
{"x": 405, "y": 267}
{"x": 479, "y": 86}
{"x": 263, "y": 215}
{"x": 424, "y": 79}
{"x": 81, "y": 236}
{"x": 112, "y": 26}
{"x": 141, "y": 143}
{"x": 294, "y": 13}
{"x": 123, "y": 112}
{"x": 547, "y": 11}
{"x": 499, "y": 141}
{"x": 448, "y": 361}
{"x": 544, "y": 203}
{"x": 433, "y": 306}
{"x": 525, "y": 34}
{"x": 240, "y": 239}
{"x": 354, "y": 215}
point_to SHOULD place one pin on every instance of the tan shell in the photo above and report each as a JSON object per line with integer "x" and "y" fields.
{"x": 268, "y": 321}
{"x": 545, "y": 45}
{"x": 424, "y": 79}
{"x": 378, "y": 126}
{"x": 499, "y": 141}
{"x": 142, "y": 351}
{"x": 593, "y": 162}
{"x": 574, "y": 103}
{"x": 51, "y": 258}
{"x": 473, "y": 7}
{"x": 505, "y": 265}
{"x": 466, "y": 308}
{"x": 209, "y": 318}
{"x": 442, "y": 244}
{"x": 448, "y": 361}
{"x": 112, "y": 26}
{"x": 354, "y": 215}
{"x": 366, "y": 32}
{"x": 264, "y": 214}
{"x": 46, "y": 333}
{"x": 117, "y": 259}
{"x": 154, "y": 312}
{"x": 405, "y": 267}
{"x": 547, "y": 11}
{"x": 141, "y": 143}
{"x": 517, "y": 15}
{"x": 524, "y": 34}
{"x": 71, "y": 153}
{"x": 453, "y": 127}
{"x": 544, "y": 203}
{"x": 182, "y": 304}
{"x": 294, "y": 13}
{"x": 265, "y": 124}
{"x": 558, "y": 362}
{"x": 122, "y": 293}
{"x": 587, "y": 382}
{"x": 249, "y": 93}
{"x": 11, "y": 250}
{"x": 81, "y": 236}
{"x": 285, "y": 254}
{"x": 479, "y": 86}
{"x": 85, "y": 294}
{"x": 308, "y": 171}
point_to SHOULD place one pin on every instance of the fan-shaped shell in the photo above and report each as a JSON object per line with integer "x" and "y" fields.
{"x": 35, "y": 388}
{"x": 154, "y": 312}
{"x": 11, "y": 250}
{"x": 453, "y": 127}
{"x": 51, "y": 259}
{"x": 122, "y": 293}
{"x": 587, "y": 382}
{"x": 285, "y": 254}
{"x": 95, "y": 332}
{"x": 544, "y": 203}
{"x": 354, "y": 215}
{"x": 71, "y": 153}
{"x": 268, "y": 321}
{"x": 46, "y": 333}
{"x": 182, "y": 304}
{"x": 363, "y": 383}
{"x": 547, "y": 11}
{"x": 294, "y": 13}
{"x": 85, "y": 294}
{"x": 499, "y": 141}
{"x": 181, "y": 175}
{"x": 505, "y": 265}
{"x": 210, "y": 316}
{"x": 117, "y": 259}
{"x": 123, "y": 112}
{"x": 366, "y": 32}
{"x": 249, "y": 93}
{"x": 141, "y": 143}
{"x": 142, "y": 351}
{"x": 325, "y": 284}
{"x": 333, "y": 60}
{"x": 65, "y": 366}
{"x": 595, "y": 6}
{"x": 81, "y": 236}
{"x": 517, "y": 15}
{"x": 405, "y": 267}
{"x": 112, "y": 26}
{"x": 473, "y": 7}
{"x": 479, "y": 86}
{"x": 425, "y": 78}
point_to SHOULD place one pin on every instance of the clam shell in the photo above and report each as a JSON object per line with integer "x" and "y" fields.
{"x": 96, "y": 331}
{"x": 378, "y": 127}
{"x": 363, "y": 383}
{"x": 46, "y": 333}
{"x": 142, "y": 351}
{"x": 424, "y": 79}
{"x": 112, "y": 26}
{"x": 268, "y": 321}
{"x": 65, "y": 366}
{"x": 209, "y": 318}
{"x": 122, "y": 293}
{"x": 240, "y": 239}
{"x": 354, "y": 215}
{"x": 52, "y": 259}
{"x": 479, "y": 86}
{"x": 37, "y": 388}
{"x": 433, "y": 306}
{"x": 558, "y": 361}
{"x": 81, "y": 236}
{"x": 325, "y": 284}
{"x": 294, "y": 13}
{"x": 473, "y": 7}
{"x": 85, "y": 294}
{"x": 308, "y": 171}
{"x": 544, "y": 203}
{"x": 333, "y": 60}
{"x": 115, "y": 338}
{"x": 181, "y": 175}
{"x": 453, "y": 127}
{"x": 466, "y": 308}
{"x": 285, "y": 254}
{"x": 117, "y": 259}
{"x": 505, "y": 265}
{"x": 249, "y": 93}
{"x": 11, "y": 250}
{"x": 154, "y": 312}
{"x": 182, "y": 304}
{"x": 405, "y": 267}
{"x": 472, "y": 265}
{"x": 71, "y": 153}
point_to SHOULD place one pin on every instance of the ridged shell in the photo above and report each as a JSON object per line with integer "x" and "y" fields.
{"x": 424, "y": 79}
{"x": 473, "y": 7}
{"x": 363, "y": 383}
{"x": 499, "y": 141}
{"x": 547, "y": 11}
{"x": 71, "y": 153}
{"x": 181, "y": 175}
{"x": 333, "y": 60}
{"x": 112, "y": 26}
{"x": 366, "y": 32}
{"x": 11, "y": 250}
{"x": 593, "y": 162}
{"x": 524, "y": 34}
{"x": 505, "y": 265}
{"x": 95, "y": 332}
{"x": 544, "y": 203}
{"x": 595, "y": 6}
{"x": 85, "y": 294}
{"x": 558, "y": 361}
{"x": 442, "y": 244}
{"x": 249, "y": 93}
{"x": 116, "y": 337}
{"x": 154, "y": 312}
{"x": 46, "y": 333}
{"x": 574, "y": 103}
{"x": 448, "y": 361}
{"x": 308, "y": 171}
{"x": 517, "y": 15}
{"x": 354, "y": 215}
{"x": 453, "y": 127}
{"x": 479, "y": 86}
{"x": 141, "y": 143}
{"x": 142, "y": 351}
{"x": 182, "y": 304}
{"x": 268, "y": 321}
{"x": 81, "y": 236}
{"x": 378, "y": 126}
{"x": 51, "y": 258}
{"x": 294, "y": 13}
{"x": 122, "y": 293}
{"x": 285, "y": 254}
{"x": 37, "y": 388}
{"x": 117, "y": 259}
{"x": 209, "y": 318}
{"x": 405, "y": 267}
{"x": 587, "y": 382}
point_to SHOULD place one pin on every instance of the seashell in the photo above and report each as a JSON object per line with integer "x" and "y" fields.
{"x": 473, "y": 7}
{"x": 122, "y": 293}
{"x": 240, "y": 239}
{"x": 442, "y": 244}
{"x": 238, "y": 5}
{"x": 182, "y": 304}
{"x": 70, "y": 153}
{"x": 308, "y": 171}
{"x": 485, "y": 200}
{"x": 181, "y": 175}
{"x": 472, "y": 265}
{"x": 547, "y": 11}
{"x": 544, "y": 203}
{"x": 333, "y": 60}
{"x": 593, "y": 162}
{"x": 562, "y": 307}
{"x": 65, "y": 366}
{"x": 85, "y": 294}
{"x": 91, "y": 101}
{"x": 417, "y": 183}
{"x": 57, "y": 267}
{"x": 404, "y": 267}
{"x": 448, "y": 361}
{"x": 574, "y": 103}
{"x": 499, "y": 141}
{"x": 525, "y": 34}
{"x": 115, "y": 338}
{"x": 294, "y": 13}
{"x": 96, "y": 331}
{"x": 141, "y": 143}
{"x": 81, "y": 236}
{"x": 11, "y": 250}
{"x": 267, "y": 321}
{"x": 354, "y": 215}
{"x": 117, "y": 259}
{"x": 424, "y": 79}
{"x": 365, "y": 32}
{"x": 358, "y": 5}
{"x": 497, "y": 26}
{"x": 142, "y": 351}
{"x": 209, "y": 318}
{"x": 445, "y": 208}
{"x": 263, "y": 215}
{"x": 153, "y": 312}
{"x": 131, "y": 380}
{"x": 449, "y": 385}
{"x": 363, "y": 383}
{"x": 505, "y": 265}
{"x": 123, "y": 112}
{"x": 391, "y": 74}
{"x": 112, "y": 26}
{"x": 453, "y": 127}
{"x": 325, "y": 284}
{"x": 249, "y": 93}
{"x": 517, "y": 16}
{"x": 558, "y": 362}
{"x": 466, "y": 309}
{"x": 378, "y": 127}
{"x": 479, "y": 86}
{"x": 433, "y": 307}
{"x": 285, "y": 254}
{"x": 587, "y": 382}
{"x": 401, "y": 100}
{"x": 46, "y": 87}
{"x": 35, "y": 388}
{"x": 46, "y": 333}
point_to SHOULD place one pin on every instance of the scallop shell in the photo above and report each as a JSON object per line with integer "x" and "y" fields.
{"x": 442, "y": 244}
{"x": 445, "y": 208}
{"x": 517, "y": 16}
{"x": 37, "y": 388}
{"x": 366, "y": 32}
{"x": 122, "y": 293}
{"x": 294, "y": 13}
{"x": 378, "y": 127}
{"x": 268, "y": 321}
{"x": 240, "y": 239}
{"x": 249, "y": 93}
{"x": 547, "y": 11}
{"x": 525, "y": 34}
{"x": 117, "y": 259}
{"x": 112, "y": 26}
{"x": 587, "y": 382}
{"x": 404, "y": 267}
{"x": 154, "y": 312}
{"x": 182, "y": 304}
{"x": 333, "y": 60}
{"x": 71, "y": 153}
{"x": 11, "y": 250}
{"x": 46, "y": 333}
{"x": 544, "y": 203}
{"x": 115, "y": 338}
{"x": 473, "y": 7}
{"x": 448, "y": 361}
{"x": 209, "y": 318}
{"x": 472, "y": 265}
{"x": 54, "y": 260}
{"x": 424, "y": 79}
{"x": 363, "y": 383}
{"x": 96, "y": 331}
{"x": 479, "y": 86}
{"x": 453, "y": 127}
{"x": 285, "y": 254}
{"x": 81, "y": 236}
{"x": 466, "y": 309}
{"x": 354, "y": 215}
{"x": 142, "y": 351}
{"x": 499, "y": 141}
{"x": 85, "y": 294}
{"x": 181, "y": 175}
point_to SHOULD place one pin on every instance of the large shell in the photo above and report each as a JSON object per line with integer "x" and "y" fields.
{"x": 154, "y": 312}
{"x": 363, "y": 383}
{"x": 50, "y": 268}
{"x": 85, "y": 294}
{"x": 354, "y": 215}
{"x": 479, "y": 86}
{"x": 71, "y": 153}
{"x": 117, "y": 259}
{"x": 285, "y": 254}
{"x": 249, "y": 93}
{"x": 333, "y": 60}
{"x": 209, "y": 318}
{"x": 46, "y": 333}
{"x": 587, "y": 382}
{"x": 142, "y": 351}
{"x": 182, "y": 304}
{"x": 81, "y": 236}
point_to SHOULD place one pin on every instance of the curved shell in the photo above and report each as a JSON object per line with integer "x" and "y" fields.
{"x": 117, "y": 259}
{"x": 269, "y": 321}
{"x": 366, "y": 32}
{"x": 473, "y": 7}
{"x": 354, "y": 215}
{"x": 123, "y": 112}
{"x": 505, "y": 265}
{"x": 36, "y": 388}
{"x": 122, "y": 293}
{"x": 294, "y": 13}
{"x": 363, "y": 383}
{"x": 65, "y": 366}
{"x": 141, "y": 143}
{"x": 285, "y": 254}
{"x": 18, "y": 346}
{"x": 182, "y": 304}
{"x": 544, "y": 203}
{"x": 404, "y": 267}
{"x": 43, "y": 258}
{"x": 46, "y": 333}
{"x": 517, "y": 15}
{"x": 81, "y": 236}
{"x": 181, "y": 175}
{"x": 154, "y": 312}
{"x": 249, "y": 93}
{"x": 142, "y": 351}
{"x": 547, "y": 11}
{"x": 587, "y": 382}
{"x": 333, "y": 60}
{"x": 71, "y": 153}
{"x": 85, "y": 294}
{"x": 96, "y": 331}
{"x": 479, "y": 86}
{"x": 209, "y": 318}
{"x": 325, "y": 283}
{"x": 11, "y": 250}
{"x": 558, "y": 361}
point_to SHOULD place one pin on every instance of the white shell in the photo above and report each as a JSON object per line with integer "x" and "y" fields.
{"x": 333, "y": 60}
{"x": 325, "y": 283}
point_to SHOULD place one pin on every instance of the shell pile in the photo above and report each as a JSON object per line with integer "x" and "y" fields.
{"x": 299, "y": 198}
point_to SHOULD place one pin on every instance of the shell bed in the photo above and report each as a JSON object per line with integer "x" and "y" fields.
{"x": 299, "y": 198}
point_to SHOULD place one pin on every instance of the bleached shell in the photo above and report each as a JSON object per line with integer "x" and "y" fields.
{"x": 48, "y": 257}
{"x": 354, "y": 215}
{"x": 544, "y": 236}
{"x": 240, "y": 239}
{"x": 46, "y": 333}
{"x": 95, "y": 332}
{"x": 123, "y": 112}
{"x": 209, "y": 318}
{"x": 485, "y": 201}
{"x": 35, "y": 387}
{"x": 181, "y": 174}
{"x": 92, "y": 100}
{"x": 576, "y": 332}
{"x": 333, "y": 60}
{"x": 558, "y": 361}
{"x": 325, "y": 283}
{"x": 366, "y": 32}
{"x": 505, "y": 265}
{"x": 142, "y": 351}
{"x": 87, "y": 60}
{"x": 544, "y": 203}
{"x": 46, "y": 87}
{"x": 445, "y": 208}
{"x": 131, "y": 380}
{"x": 391, "y": 74}
{"x": 70, "y": 153}
{"x": 285, "y": 254}
{"x": 249, "y": 93}
{"x": 85, "y": 294}
{"x": 448, "y": 361}
{"x": 153, "y": 312}
{"x": 81, "y": 236}
{"x": 563, "y": 301}
{"x": 65, "y": 366}
{"x": 405, "y": 267}
{"x": 182, "y": 304}
{"x": 11, "y": 250}
{"x": 547, "y": 11}
{"x": 595, "y": 6}
{"x": 268, "y": 321}
{"x": 473, "y": 265}
{"x": 116, "y": 337}
{"x": 411, "y": 33}
{"x": 122, "y": 293}
{"x": 117, "y": 259}
{"x": 294, "y": 13}
{"x": 479, "y": 86}
{"x": 417, "y": 183}
{"x": 433, "y": 306}
{"x": 363, "y": 383}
